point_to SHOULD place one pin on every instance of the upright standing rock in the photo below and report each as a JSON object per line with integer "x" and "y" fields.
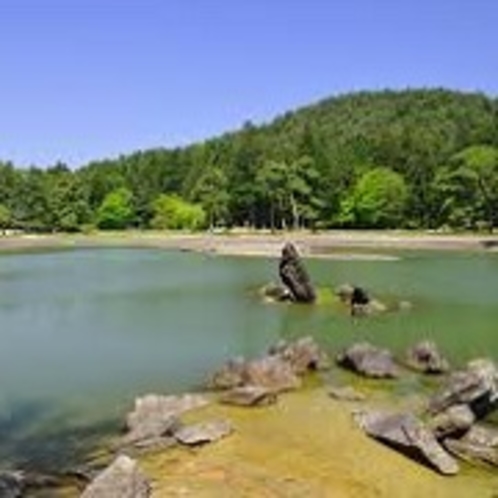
{"x": 294, "y": 275}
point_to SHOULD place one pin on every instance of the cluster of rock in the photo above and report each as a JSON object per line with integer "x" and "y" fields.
{"x": 447, "y": 427}
{"x": 259, "y": 380}
{"x": 155, "y": 421}
{"x": 375, "y": 362}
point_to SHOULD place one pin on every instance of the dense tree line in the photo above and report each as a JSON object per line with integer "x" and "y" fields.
{"x": 416, "y": 159}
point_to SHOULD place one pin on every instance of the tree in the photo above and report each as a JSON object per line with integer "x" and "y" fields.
{"x": 5, "y": 217}
{"x": 377, "y": 200}
{"x": 116, "y": 210}
{"x": 171, "y": 211}
{"x": 288, "y": 189}
{"x": 211, "y": 192}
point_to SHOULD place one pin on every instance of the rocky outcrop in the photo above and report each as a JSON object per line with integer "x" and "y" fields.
{"x": 369, "y": 361}
{"x": 294, "y": 275}
{"x": 408, "y": 435}
{"x": 249, "y": 396}
{"x": 155, "y": 416}
{"x": 122, "y": 479}
{"x": 207, "y": 432}
{"x": 425, "y": 357}
{"x": 454, "y": 421}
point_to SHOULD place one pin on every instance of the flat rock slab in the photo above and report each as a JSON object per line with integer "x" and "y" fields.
{"x": 407, "y": 434}
{"x": 346, "y": 393}
{"x": 369, "y": 361}
{"x": 122, "y": 479}
{"x": 208, "y": 432}
{"x": 249, "y": 396}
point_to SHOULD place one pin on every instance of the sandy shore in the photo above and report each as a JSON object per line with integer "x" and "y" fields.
{"x": 306, "y": 445}
{"x": 333, "y": 244}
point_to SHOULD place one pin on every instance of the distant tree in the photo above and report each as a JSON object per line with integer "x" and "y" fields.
{"x": 116, "y": 211}
{"x": 211, "y": 191}
{"x": 468, "y": 188}
{"x": 172, "y": 212}
{"x": 5, "y": 217}
{"x": 377, "y": 200}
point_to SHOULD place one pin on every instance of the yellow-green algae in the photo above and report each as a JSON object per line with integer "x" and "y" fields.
{"x": 306, "y": 445}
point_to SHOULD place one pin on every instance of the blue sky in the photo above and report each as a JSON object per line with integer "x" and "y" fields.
{"x": 87, "y": 79}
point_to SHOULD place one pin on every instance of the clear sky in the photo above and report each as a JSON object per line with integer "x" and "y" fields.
{"x": 87, "y": 79}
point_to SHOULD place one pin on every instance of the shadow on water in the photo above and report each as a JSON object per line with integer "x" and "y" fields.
{"x": 36, "y": 439}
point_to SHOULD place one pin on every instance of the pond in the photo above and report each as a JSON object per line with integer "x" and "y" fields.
{"x": 85, "y": 331}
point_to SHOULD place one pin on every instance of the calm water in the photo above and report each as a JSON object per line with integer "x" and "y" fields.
{"x": 84, "y": 332}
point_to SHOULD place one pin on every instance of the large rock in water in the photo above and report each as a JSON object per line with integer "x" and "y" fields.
{"x": 369, "y": 360}
{"x": 408, "y": 435}
{"x": 476, "y": 386}
{"x": 294, "y": 275}
{"x": 122, "y": 479}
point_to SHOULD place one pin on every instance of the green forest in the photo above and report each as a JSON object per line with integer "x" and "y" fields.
{"x": 415, "y": 159}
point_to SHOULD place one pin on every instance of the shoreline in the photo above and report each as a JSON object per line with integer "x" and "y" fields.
{"x": 338, "y": 244}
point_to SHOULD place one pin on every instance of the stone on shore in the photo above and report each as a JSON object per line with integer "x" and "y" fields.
{"x": 202, "y": 433}
{"x": 303, "y": 355}
{"x": 369, "y": 361}
{"x": 476, "y": 386}
{"x": 156, "y": 416}
{"x": 408, "y": 435}
{"x": 122, "y": 479}
{"x": 453, "y": 422}
{"x": 346, "y": 393}
{"x": 11, "y": 485}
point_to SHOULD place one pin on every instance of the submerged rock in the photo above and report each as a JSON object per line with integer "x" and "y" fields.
{"x": 155, "y": 416}
{"x": 294, "y": 275}
{"x": 122, "y": 479}
{"x": 276, "y": 292}
{"x": 425, "y": 357}
{"x": 369, "y": 360}
{"x": 408, "y": 435}
{"x": 249, "y": 396}
{"x": 207, "y": 432}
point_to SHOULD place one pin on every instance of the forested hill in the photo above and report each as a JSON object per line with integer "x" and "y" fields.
{"x": 416, "y": 158}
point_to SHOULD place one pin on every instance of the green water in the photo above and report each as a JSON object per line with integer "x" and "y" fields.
{"x": 83, "y": 332}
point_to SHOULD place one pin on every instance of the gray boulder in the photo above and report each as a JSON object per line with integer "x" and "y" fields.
{"x": 408, "y": 435}
{"x": 369, "y": 361}
{"x": 11, "y": 485}
{"x": 476, "y": 386}
{"x": 454, "y": 421}
{"x": 425, "y": 357}
{"x": 294, "y": 275}
{"x": 155, "y": 416}
{"x": 122, "y": 479}
{"x": 303, "y": 355}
